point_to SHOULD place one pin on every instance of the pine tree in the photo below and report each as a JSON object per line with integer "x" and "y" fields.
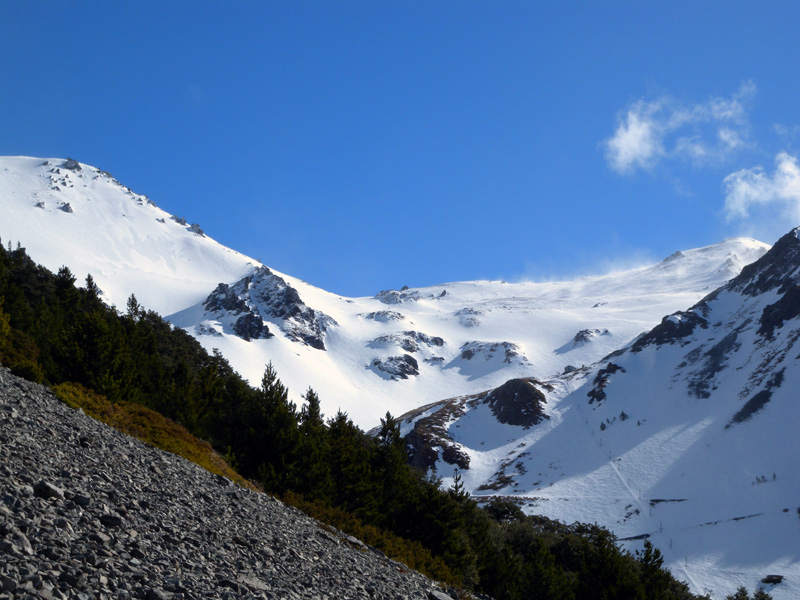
{"x": 313, "y": 469}
{"x": 351, "y": 472}
{"x": 274, "y": 433}
{"x": 393, "y": 474}
{"x": 654, "y": 578}
{"x": 457, "y": 491}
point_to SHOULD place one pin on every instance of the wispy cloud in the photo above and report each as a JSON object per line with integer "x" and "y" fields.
{"x": 768, "y": 203}
{"x": 638, "y": 141}
{"x": 649, "y": 132}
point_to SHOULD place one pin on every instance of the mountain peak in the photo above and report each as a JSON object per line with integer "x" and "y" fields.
{"x": 777, "y": 270}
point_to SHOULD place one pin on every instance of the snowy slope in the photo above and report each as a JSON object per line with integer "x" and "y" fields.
{"x": 687, "y": 436}
{"x": 81, "y": 217}
{"x": 401, "y": 349}
{"x": 395, "y": 351}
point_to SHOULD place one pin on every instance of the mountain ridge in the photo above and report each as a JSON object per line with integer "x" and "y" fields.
{"x": 372, "y": 359}
{"x": 684, "y": 436}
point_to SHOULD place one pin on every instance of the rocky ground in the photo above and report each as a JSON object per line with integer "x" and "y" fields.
{"x": 87, "y": 512}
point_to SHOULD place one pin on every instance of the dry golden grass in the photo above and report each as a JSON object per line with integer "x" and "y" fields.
{"x": 148, "y": 426}
{"x": 413, "y": 554}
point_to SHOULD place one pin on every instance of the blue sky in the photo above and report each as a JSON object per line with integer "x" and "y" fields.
{"x": 365, "y": 145}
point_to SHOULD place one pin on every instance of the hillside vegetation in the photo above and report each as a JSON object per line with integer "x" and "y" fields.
{"x": 119, "y": 366}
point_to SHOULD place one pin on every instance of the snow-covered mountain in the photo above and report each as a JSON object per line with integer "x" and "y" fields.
{"x": 68, "y": 213}
{"x": 395, "y": 351}
{"x": 687, "y": 436}
{"x": 599, "y": 408}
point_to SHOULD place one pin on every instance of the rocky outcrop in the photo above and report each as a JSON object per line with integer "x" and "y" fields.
{"x": 429, "y": 436}
{"x": 517, "y": 402}
{"x": 778, "y": 269}
{"x": 673, "y": 329}
{"x": 263, "y": 295}
{"x": 248, "y": 324}
{"x": 384, "y": 316}
{"x": 86, "y": 512}
{"x": 72, "y": 164}
{"x": 404, "y": 295}
{"x": 488, "y": 350}
{"x": 598, "y": 393}
{"x": 397, "y": 367}
{"x": 584, "y": 336}
{"x": 407, "y": 340}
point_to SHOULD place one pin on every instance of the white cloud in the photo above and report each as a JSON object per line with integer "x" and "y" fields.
{"x": 665, "y": 129}
{"x": 637, "y": 141}
{"x": 765, "y": 205}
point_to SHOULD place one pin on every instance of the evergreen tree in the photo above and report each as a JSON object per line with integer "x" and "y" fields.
{"x": 393, "y": 475}
{"x": 276, "y": 428}
{"x": 655, "y": 580}
{"x": 353, "y": 487}
{"x": 313, "y": 469}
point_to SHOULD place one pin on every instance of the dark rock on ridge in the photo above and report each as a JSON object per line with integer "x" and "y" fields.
{"x": 135, "y": 522}
{"x": 262, "y": 295}
{"x": 249, "y": 325}
{"x": 671, "y": 330}
{"x": 778, "y": 269}
{"x": 517, "y": 402}
{"x": 429, "y": 436}
{"x": 598, "y": 392}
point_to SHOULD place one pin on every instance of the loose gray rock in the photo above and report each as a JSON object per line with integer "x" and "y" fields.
{"x": 45, "y": 489}
{"x": 87, "y": 512}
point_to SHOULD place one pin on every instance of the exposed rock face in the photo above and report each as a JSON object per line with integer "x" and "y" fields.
{"x": 779, "y": 269}
{"x": 775, "y": 315}
{"x": 487, "y": 351}
{"x": 672, "y": 329}
{"x": 407, "y": 340}
{"x": 517, "y": 402}
{"x": 248, "y": 324}
{"x": 587, "y": 335}
{"x": 755, "y": 314}
{"x": 598, "y": 393}
{"x": 397, "y": 367}
{"x": 429, "y": 436}
{"x": 86, "y": 512}
{"x": 250, "y": 327}
{"x": 398, "y": 297}
{"x": 384, "y": 316}
{"x": 264, "y": 295}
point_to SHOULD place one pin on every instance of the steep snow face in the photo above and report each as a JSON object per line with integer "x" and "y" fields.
{"x": 68, "y": 213}
{"x": 395, "y": 351}
{"x": 686, "y": 437}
